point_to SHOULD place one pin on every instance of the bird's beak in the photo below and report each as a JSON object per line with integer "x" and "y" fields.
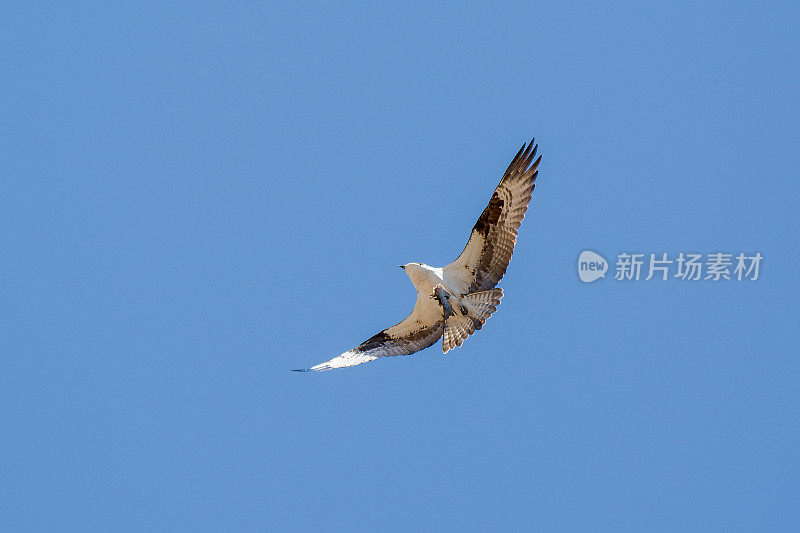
{"x": 402, "y": 266}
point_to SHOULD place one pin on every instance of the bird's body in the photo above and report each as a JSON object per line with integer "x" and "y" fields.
{"x": 455, "y": 300}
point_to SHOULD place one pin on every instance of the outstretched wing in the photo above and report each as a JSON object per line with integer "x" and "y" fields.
{"x": 420, "y": 329}
{"x": 485, "y": 258}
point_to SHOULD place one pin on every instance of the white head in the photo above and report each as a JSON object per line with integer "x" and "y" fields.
{"x": 417, "y": 272}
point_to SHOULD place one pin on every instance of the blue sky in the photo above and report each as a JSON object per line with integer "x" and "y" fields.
{"x": 198, "y": 199}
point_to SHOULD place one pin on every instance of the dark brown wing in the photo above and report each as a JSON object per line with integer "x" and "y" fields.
{"x": 420, "y": 329}
{"x": 485, "y": 258}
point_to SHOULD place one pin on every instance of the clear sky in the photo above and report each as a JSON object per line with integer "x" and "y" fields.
{"x": 197, "y": 199}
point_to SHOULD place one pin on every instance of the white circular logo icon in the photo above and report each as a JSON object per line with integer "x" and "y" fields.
{"x": 591, "y": 266}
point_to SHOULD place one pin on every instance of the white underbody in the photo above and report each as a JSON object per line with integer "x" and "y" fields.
{"x": 427, "y": 309}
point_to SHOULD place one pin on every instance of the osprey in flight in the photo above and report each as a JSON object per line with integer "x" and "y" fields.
{"x": 454, "y": 301}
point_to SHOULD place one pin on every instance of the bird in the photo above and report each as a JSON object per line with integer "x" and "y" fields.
{"x": 454, "y": 301}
